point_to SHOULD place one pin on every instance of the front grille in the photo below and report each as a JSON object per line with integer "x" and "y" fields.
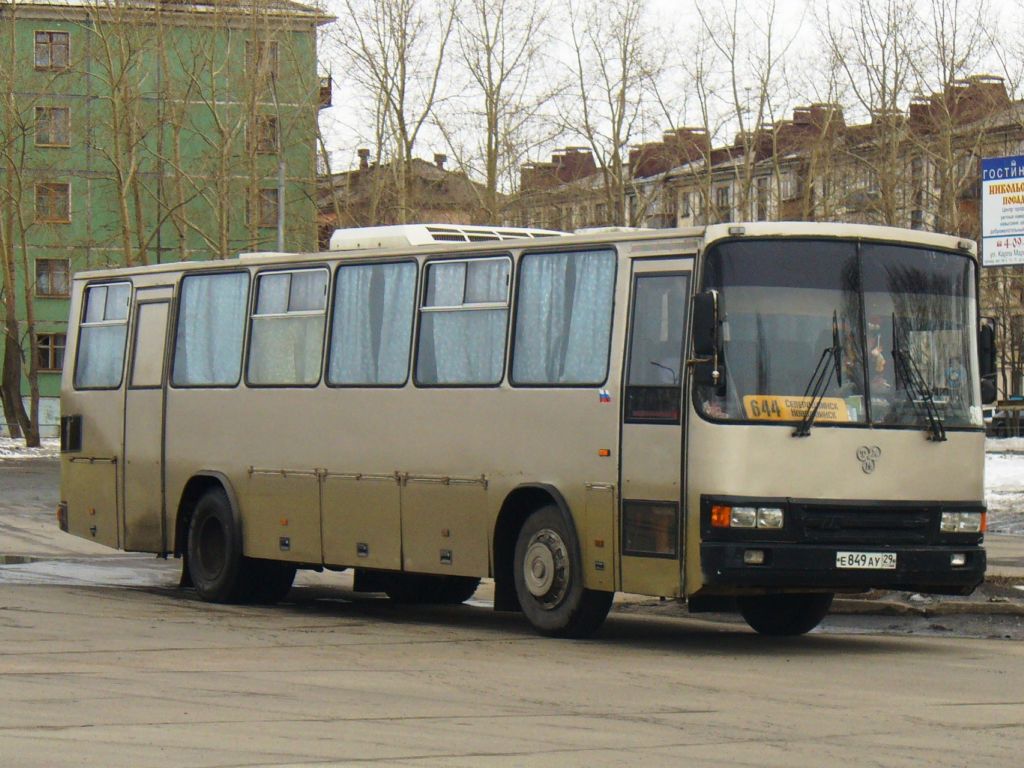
{"x": 838, "y": 525}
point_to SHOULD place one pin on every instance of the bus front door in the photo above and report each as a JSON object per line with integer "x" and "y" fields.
{"x": 650, "y": 518}
{"x": 144, "y": 523}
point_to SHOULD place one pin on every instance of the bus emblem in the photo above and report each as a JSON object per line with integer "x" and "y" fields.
{"x": 867, "y": 455}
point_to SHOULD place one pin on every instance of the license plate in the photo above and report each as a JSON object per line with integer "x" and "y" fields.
{"x": 879, "y": 561}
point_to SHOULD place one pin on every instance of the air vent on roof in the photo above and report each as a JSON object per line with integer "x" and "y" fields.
{"x": 404, "y": 235}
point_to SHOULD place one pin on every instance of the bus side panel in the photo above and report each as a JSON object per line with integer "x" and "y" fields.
{"x": 90, "y": 472}
{"x": 90, "y": 487}
{"x": 598, "y": 544}
{"x": 442, "y": 525}
{"x": 361, "y": 521}
{"x": 280, "y": 509}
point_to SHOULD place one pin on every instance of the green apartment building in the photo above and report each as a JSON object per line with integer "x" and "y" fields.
{"x": 137, "y": 132}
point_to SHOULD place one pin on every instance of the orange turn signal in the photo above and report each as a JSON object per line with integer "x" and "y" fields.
{"x": 721, "y": 516}
{"x": 984, "y": 522}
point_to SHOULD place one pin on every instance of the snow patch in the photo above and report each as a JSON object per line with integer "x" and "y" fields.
{"x": 15, "y": 449}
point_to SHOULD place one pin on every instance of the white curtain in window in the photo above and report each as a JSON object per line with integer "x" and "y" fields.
{"x": 540, "y": 319}
{"x": 396, "y": 322}
{"x": 101, "y": 356}
{"x": 308, "y": 291}
{"x": 469, "y": 345}
{"x": 211, "y": 325}
{"x": 101, "y": 347}
{"x": 564, "y": 318}
{"x": 286, "y": 350}
{"x": 372, "y": 327}
{"x": 351, "y": 360}
{"x": 586, "y": 354}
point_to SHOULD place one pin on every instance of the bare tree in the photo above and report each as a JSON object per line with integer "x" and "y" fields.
{"x": 500, "y": 46}
{"x": 396, "y": 51}
{"x": 876, "y": 43}
{"x": 612, "y": 98}
{"x": 751, "y": 52}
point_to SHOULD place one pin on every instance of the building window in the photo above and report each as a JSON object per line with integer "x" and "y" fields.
{"x": 264, "y": 139}
{"x": 788, "y": 187}
{"x": 53, "y": 202}
{"x": 52, "y": 50}
{"x": 50, "y": 350}
{"x": 761, "y": 203}
{"x": 53, "y": 126}
{"x": 261, "y": 59}
{"x": 723, "y": 209}
{"x": 267, "y": 204}
{"x": 53, "y": 277}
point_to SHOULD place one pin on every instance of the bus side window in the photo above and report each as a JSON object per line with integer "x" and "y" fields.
{"x": 371, "y": 326}
{"x": 211, "y": 326}
{"x": 463, "y": 323}
{"x": 654, "y": 383}
{"x": 286, "y": 345}
{"x": 563, "y": 318}
{"x": 102, "y": 336}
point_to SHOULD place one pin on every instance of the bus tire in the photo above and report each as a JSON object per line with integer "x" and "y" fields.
{"x": 784, "y": 615}
{"x": 218, "y": 570}
{"x": 271, "y": 581}
{"x": 548, "y": 575}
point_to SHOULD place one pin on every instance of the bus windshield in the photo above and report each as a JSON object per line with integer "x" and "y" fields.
{"x": 893, "y": 324}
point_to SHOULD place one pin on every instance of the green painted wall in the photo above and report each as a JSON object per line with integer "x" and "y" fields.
{"x": 166, "y": 100}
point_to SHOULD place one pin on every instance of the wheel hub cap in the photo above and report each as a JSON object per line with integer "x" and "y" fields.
{"x": 546, "y": 567}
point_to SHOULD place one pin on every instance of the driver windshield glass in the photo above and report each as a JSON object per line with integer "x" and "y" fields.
{"x": 920, "y": 310}
{"x": 796, "y": 310}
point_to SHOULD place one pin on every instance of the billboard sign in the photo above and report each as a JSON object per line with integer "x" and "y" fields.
{"x": 1002, "y": 211}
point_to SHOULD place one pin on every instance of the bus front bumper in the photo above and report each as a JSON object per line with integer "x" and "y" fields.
{"x": 925, "y": 569}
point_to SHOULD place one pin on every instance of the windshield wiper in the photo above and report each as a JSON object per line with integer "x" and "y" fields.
{"x": 820, "y": 379}
{"x": 918, "y": 391}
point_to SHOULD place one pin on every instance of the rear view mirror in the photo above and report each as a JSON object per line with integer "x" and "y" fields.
{"x": 707, "y": 341}
{"x": 705, "y": 324}
{"x": 987, "y": 362}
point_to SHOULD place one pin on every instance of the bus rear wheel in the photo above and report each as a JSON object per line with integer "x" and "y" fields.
{"x": 218, "y": 570}
{"x": 548, "y": 574}
{"x": 784, "y": 615}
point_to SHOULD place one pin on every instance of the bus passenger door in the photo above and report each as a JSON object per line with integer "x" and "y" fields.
{"x": 652, "y": 431}
{"x": 144, "y": 523}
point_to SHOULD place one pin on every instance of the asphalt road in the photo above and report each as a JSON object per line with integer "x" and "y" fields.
{"x": 103, "y": 662}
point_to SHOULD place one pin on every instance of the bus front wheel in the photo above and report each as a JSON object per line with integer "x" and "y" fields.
{"x": 784, "y": 614}
{"x": 548, "y": 573}
{"x": 218, "y": 570}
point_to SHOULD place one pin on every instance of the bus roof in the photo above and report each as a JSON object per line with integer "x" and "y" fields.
{"x": 697, "y": 235}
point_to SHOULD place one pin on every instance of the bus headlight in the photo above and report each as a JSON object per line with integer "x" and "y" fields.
{"x": 723, "y": 516}
{"x": 743, "y": 517}
{"x": 962, "y": 522}
{"x": 769, "y": 517}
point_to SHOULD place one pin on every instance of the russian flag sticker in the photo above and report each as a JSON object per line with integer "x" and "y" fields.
{"x": 604, "y": 396}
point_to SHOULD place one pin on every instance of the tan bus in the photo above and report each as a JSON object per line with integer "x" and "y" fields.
{"x": 751, "y": 416}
